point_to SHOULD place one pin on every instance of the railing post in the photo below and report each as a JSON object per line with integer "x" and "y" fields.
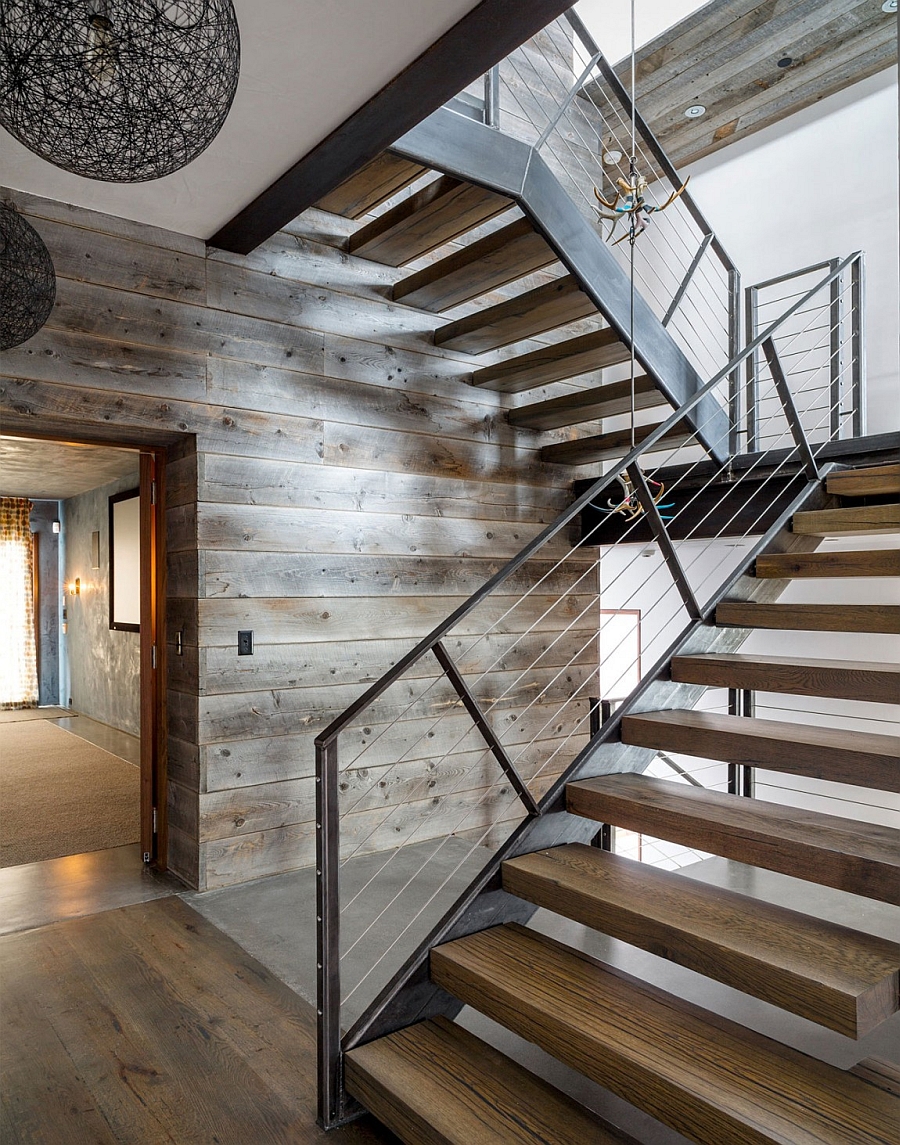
{"x": 752, "y": 370}
{"x": 472, "y": 706}
{"x": 790, "y": 410}
{"x": 328, "y": 935}
{"x": 492, "y": 96}
{"x": 734, "y": 348}
{"x": 835, "y": 365}
{"x": 858, "y": 344}
{"x": 663, "y": 540}
{"x": 741, "y": 702}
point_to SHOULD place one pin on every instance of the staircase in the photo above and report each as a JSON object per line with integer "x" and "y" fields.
{"x": 707, "y": 1077}
{"x": 520, "y": 285}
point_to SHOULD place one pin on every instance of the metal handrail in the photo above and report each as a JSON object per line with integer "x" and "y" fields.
{"x": 326, "y": 744}
{"x": 425, "y": 645}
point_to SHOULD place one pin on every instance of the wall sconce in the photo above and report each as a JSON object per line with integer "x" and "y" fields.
{"x": 75, "y": 587}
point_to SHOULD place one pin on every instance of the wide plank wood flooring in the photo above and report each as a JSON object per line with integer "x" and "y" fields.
{"x": 147, "y": 1024}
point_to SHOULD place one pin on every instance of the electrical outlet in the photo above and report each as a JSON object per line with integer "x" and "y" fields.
{"x": 245, "y": 642}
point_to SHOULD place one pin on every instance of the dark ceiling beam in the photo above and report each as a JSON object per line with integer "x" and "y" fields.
{"x": 482, "y": 38}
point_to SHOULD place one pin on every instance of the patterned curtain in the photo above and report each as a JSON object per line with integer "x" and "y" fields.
{"x": 18, "y": 661}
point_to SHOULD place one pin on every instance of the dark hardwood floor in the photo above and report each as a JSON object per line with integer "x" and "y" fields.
{"x": 147, "y": 1024}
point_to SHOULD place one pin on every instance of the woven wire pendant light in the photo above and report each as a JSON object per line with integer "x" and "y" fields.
{"x": 27, "y": 280}
{"x": 118, "y": 90}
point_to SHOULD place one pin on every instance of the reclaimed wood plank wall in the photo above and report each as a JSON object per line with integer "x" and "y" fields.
{"x": 336, "y": 486}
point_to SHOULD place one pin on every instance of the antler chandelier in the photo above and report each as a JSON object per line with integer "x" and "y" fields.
{"x": 27, "y": 280}
{"x": 118, "y": 90}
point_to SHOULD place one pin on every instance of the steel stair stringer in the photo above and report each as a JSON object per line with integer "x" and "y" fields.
{"x": 465, "y": 149}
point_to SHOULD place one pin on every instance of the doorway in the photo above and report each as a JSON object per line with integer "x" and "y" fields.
{"x": 82, "y": 740}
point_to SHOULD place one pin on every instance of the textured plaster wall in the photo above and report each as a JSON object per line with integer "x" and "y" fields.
{"x": 104, "y": 666}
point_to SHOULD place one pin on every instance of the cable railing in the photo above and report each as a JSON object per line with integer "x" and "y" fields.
{"x": 446, "y": 763}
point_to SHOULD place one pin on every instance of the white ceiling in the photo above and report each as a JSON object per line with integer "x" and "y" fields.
{"x": 53, "y": 470}
{"x": 306, "y": 66}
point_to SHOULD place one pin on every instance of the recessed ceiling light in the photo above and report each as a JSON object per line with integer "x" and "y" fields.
{"x": 785, "y": 61}
{"x": 695, "y": 111}
{"x": 889, "y": 6}
{"x": 612, "y": 157}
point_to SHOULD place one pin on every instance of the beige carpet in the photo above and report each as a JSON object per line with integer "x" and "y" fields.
{"x": 19, "y": 715}
{"x": 60, "y": 795}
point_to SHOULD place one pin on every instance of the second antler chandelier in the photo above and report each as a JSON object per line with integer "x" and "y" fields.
{"x": 118, "y": 90}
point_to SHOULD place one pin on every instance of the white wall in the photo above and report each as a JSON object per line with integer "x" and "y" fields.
{"x": 821, "y": 184}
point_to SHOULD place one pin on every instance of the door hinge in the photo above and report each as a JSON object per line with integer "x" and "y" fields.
{"x": 152, "y": 492}
{"x": 153, "y": 656}
{"x": 155, "y": 832}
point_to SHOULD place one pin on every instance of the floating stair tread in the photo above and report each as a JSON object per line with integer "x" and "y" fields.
{"x": 881, "y": 1073}
{"x": 869, "y": 482}
{"x": 430, "y": 217}
{"x": 837, "y": 679}
{"x": 609, "y": 446}
{"x": 697, "y": 1072}
{"x": 553, "y": 304}
{"x": 499, "y": 258}
{"x": 862, "y": 758}
{"x": 371, "y": 185}
{"x": 829, "y": 974}
{"x": 863, "y": 858}
{"x": 437, "y": 1083}
{"x": 586, "y": 353}
{"x": 810, "y": 617}
{"x": 588, "y": 405}
{"x": 864, "y": 562}
{"x": 856, "y": 520}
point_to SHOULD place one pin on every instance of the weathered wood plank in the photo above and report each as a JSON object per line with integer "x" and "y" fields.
{"x": 372, "y": 448}
{"x": 291, "y": 621}
{"x": 371, "y": 185}
{"x": 262, "y": 528}
{"x": 227, "y": 479}
{"x": 229, "y": 573}
{"x": 136, "y": 418}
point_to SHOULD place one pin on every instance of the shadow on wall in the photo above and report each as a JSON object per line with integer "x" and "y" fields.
{"x": 103, "y": 664}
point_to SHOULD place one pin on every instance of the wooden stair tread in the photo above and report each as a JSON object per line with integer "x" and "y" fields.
{"x": 830, "y": 974}
{"x": 810, "y": 617}
{"x": 553, "y": 304}
{"x": 430, "y": 217}
{"x": 693, "y": 1070}
{"x": 861, "y": 758}
{"x": 857, "y": 520}
{"x": 871, "y": 481}
{"x": 865, "y": 562}
{"x": 568, "y": 359}
{"x": 491, "y": 262}
{"x": 863, "y": 858}
{"x": 837, "y": 679}
{"x": 371, "y": 185}
{"x": 609, "y": 446}
{"x": 436, "y": 1082}
{"x": 881, "y": 1073}
{"x": 588, "y": 405}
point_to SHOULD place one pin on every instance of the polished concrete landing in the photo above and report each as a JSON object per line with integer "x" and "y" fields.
{"x": 37, "y": 894}
{"x": 122, "y": 744}
{"x": 274, "y": 919}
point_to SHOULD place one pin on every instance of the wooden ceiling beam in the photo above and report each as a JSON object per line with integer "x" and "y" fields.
{"x": 485, "y": 35}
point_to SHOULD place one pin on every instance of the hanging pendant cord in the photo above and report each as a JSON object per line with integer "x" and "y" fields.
{"x": 632, "y": 235}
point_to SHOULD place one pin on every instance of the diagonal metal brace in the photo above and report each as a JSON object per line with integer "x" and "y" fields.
{"x": 661, "y": 535}
{"x": 481, "y": 722}
{"x": 790, "y": 410}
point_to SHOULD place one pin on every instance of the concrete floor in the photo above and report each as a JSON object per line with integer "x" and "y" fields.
{"x": 122, "y": 744}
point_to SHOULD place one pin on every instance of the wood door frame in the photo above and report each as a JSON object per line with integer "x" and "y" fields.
{"x": 153, "y": 750}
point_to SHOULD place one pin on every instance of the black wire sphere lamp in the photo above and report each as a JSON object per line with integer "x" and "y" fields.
{"x": 118, "y": 90}
{"x": 27, "y": 280}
